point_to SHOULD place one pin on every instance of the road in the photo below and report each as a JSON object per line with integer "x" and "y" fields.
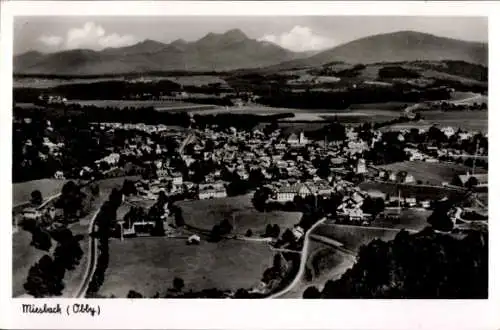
{"x": 92, "y": 261}
{"x": 189, "y": 138}
{"x": 303, "y": 260}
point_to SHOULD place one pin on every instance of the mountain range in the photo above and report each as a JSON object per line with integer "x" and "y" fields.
{"x": 234, "y": 50}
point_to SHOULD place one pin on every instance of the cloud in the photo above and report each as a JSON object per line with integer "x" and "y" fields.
{"x": 300, "y": 38}
{"x": 90, "y": 35}
{"x": 51, "y": 41}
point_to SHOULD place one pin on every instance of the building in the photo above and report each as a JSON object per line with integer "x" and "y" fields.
{"x": 295, "y": 140}
{"x": 298, "y": 232}
{"x": 193, "y": 240}
{"x": 59, "y": 175}
{"x": 32, "y": 214}
{"x": 288, "y": 193}
{"x": 212, "y": 192}
{"x": 361, "y": 166}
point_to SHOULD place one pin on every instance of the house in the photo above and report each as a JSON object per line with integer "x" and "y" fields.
{"x": 288, "y": 193}
{"x": 177, "y": 179}
{"x": 425, "y": 204}
{"x": 59, "y": 175}
{"x": 298, "y": 232}
{"x": 411, "y": 201}
{"x": 448, "y": 131}
{"x": 32, "y": 214}
{"x": 193, "y": 240}
{"x": 405, "y": 177}
{"x": 212, "y": 192}
{"x": 361, "y": 166}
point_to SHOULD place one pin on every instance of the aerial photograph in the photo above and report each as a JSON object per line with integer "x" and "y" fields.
{"x": 250, "y": 157}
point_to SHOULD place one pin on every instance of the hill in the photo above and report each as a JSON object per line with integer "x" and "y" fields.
{"x": 400, "y": 46}
{"x": 226, "y": 51}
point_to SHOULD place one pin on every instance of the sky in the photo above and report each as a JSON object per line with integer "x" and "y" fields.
{"x": 304, "y": 33}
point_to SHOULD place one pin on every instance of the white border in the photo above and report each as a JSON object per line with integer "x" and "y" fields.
{"x": 229, "y": 314}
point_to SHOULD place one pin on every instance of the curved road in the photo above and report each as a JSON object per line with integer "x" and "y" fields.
{"x": 303, "y": 260}
{"x": 92, "y": 261}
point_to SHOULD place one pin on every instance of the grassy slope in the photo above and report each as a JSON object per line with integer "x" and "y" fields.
{"x": 435, "y": 173}
{"x": 21, "y": 192}
{"x": 149, "y": 265}
{"x": 353, "y": 236}
{"x": 204, "y": 214}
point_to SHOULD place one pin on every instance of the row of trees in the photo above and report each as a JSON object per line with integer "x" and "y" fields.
{"x": 45, "y": 278}
{"x": 105, "y": 222}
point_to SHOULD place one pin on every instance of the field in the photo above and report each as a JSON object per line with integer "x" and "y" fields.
{"x": 434, "y": 173}
{"x": 149, "y": 265}
{"x": 354, "y": 236}
{"x": 158, "y": 105}
{"x": 415, "y": 219}
{"x": 204, "y": 214}
{"x": 417, "y": 191}
{"x": 21, "y": 192}
{"x": 466, "y": 120}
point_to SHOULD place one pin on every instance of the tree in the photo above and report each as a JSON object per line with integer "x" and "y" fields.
{"x": 68, "y": 254}
{"x": 311, "y": 293}
{"x": 178, "y": 284}
{"x": 249, "y": 233}
{"x": 129, "y": 188}
{"x": 134, "y": 295}
{"x": 45, "y": 279}
{"x": 41, "y": 239}
{"x": 439, "y": 218}
{"x": 471, "y": 183}
{"x": 36, "y": 197}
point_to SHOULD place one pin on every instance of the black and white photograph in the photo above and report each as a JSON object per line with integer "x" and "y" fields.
{"x": 330, "y": 157}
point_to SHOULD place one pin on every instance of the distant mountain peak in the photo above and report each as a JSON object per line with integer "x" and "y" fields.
{"x": 235, "y": 34}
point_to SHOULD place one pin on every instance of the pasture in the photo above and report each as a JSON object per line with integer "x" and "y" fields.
{"x": 149, "y": 265}
{"x": 21, "y": 192}
{"x": 431, "y": 173}
{"x": 204, "y": 214}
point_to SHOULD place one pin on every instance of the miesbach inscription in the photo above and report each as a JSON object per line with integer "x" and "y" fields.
{"x": 45, "y": 309}
{"x": 56, "y": 309}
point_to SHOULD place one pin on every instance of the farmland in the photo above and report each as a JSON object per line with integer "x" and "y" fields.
{"x": 149, "y": 265}
{"x": 21, "y": 192}
{"x": 433, "y": 173}
{"x": 204, "y": 214}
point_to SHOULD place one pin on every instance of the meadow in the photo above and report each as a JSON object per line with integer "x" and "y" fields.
{"x": 421, "y": 192}
{"x": 21, "y": 192}
{"x": 204, "y": 214}
{"x": 431, "y": 173}
{"x": 149, "y": 265}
